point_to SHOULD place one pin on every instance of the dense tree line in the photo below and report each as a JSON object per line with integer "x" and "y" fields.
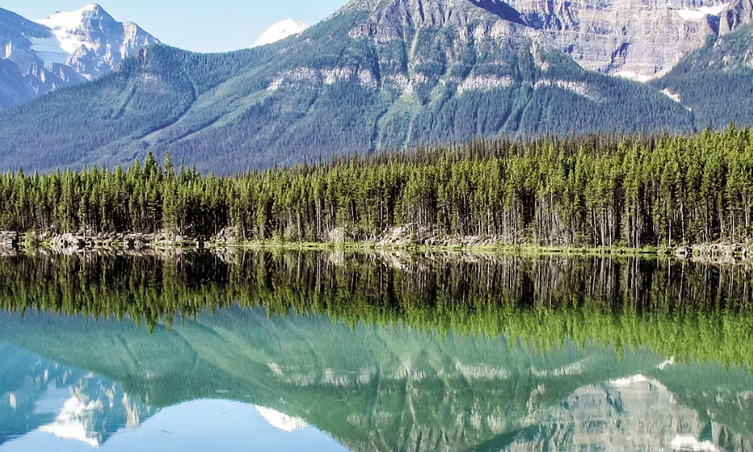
{"x": 593, "y": 191}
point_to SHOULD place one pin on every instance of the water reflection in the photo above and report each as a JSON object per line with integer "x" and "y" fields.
{"x": 501, "y": 370}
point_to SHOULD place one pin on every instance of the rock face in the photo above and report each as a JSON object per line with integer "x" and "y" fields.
{"x": 64, "y": 49}
{"x": 623, "y": 415}
{"x": 738, "y": 13}
{"x": 636, "y": 39}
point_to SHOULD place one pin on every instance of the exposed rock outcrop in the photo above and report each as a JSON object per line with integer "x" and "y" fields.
{"x": 68, "y": 243}
{"x": 635, "y": 39}
{"x": 738, "y": 13}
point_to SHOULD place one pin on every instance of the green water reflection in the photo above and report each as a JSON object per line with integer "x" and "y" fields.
{"x": 388, "y": 353}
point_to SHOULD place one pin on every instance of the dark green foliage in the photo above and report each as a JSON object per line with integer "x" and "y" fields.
{"x": 691, "y": 311}
{"x": 716, "y": 82}
{"x": 595, "y": 191}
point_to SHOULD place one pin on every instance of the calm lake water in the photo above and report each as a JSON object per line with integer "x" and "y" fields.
{"x": 311, "y": 351}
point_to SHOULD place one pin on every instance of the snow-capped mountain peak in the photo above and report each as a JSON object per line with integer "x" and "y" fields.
{"x": 280, "y": 31}
{"x": 67, "y": 34}
{"x": 72, "y": 20}
{"x": 93, "y": 29}
{"x": 93, "y": 40}
{"x": 64, "y": 49}
{"x": 71, "y": 422}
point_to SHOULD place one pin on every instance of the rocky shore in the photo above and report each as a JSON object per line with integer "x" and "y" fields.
{"x": 715, "y": 252}
{"x": 397, "y": 239}
{"x": 71, "y": 243}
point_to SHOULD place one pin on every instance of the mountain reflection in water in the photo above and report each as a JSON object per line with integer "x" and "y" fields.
{"x": 315, "y": 351}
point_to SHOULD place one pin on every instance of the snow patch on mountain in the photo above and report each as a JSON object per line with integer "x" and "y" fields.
{"x": 702, "y": 12}
{"x": 671, "y": 360}
{"x": 67, "y": 20}
{"x": 280, "y": 31}
{"x": 633, "y": 76}
{"x": 71, "y": 422}
{"x": 281, "y": 421}
{"x": 629, "y": 381}
{"x": 66, "y": 27}
{"x": 674, "y": 96}
{"x": 690, "y": 443}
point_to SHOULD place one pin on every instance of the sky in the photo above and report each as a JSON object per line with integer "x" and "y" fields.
{"x": 198, "y": 25}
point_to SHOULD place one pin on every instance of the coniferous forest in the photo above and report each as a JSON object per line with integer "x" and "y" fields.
{"x": 585, "y": 191}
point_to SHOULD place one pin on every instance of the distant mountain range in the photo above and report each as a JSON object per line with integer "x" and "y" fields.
{"x": 385, "y": 74}
{"x": 62, "y": 50}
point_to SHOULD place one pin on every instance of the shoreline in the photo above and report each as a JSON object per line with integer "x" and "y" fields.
{"x": 147, "y": 243}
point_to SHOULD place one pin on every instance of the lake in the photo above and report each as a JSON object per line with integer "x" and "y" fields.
{"x": 327, "y": 351}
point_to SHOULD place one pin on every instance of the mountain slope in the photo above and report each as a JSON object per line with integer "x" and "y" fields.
{"x": 62, "y": 50}
{"x": 373, "y": 76}
{"x": 716, "y": 82}
{"x": 24, "y": 74}
{"x": 14, "y": 88}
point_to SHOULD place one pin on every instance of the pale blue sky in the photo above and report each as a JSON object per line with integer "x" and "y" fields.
{"x": 199, "y": 25}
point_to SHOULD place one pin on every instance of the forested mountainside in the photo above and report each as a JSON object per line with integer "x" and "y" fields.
{"x": 716, "y": 81}
{"x": 587, "y": 192}
{"x": 376, "y": 75}
{"x": 366, "y": 79}
{"x": 65, "y": 49}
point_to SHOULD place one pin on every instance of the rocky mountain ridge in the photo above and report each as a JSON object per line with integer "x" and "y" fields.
{"x": 62, "y": 50}
{"x": 636, "y": 39}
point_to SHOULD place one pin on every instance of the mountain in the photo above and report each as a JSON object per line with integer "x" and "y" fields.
{"x": 371, "y": 77}
{"x": 23, "y": 72}
{"x": 72, "y": 404}
{"x": 65, "y": 49}
{"x": 635, "y": 39}
{"x": 280, "y": 31}
{"x": 385, "y": 75}
{"x": 377, "y": 388}
{"x": 716, "y": 81}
